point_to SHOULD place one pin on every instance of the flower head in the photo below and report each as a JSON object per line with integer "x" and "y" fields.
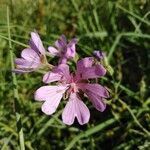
{"x": 63, "y": 49}
{"x": 72, "y": 85}
{"x": 33, "y": 57}
{"x": 98, "y": 54}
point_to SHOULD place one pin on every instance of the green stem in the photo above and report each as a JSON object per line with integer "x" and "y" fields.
{"x": 90, "y": 132}
{"x": 134, "y": 15}
{"x": 134, "y": 117}
{"x": 11, "y": 40}
{"x": 15, "y": 90}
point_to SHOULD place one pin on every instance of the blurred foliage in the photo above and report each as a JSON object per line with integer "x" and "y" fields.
{"x": 118, "y": 27}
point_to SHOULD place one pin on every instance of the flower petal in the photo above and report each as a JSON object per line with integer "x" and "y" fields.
{"x": 72, "y": 42}
{"x": 53, "y": 51}
{"x": 30, "y": 55}
{"x": 36, "y": 43}
{"x": 84, "y": 63}
{"x": 92, "y": 72}
{"x": 61, "y": 72}
{"x": 86, "y": 69}
{"x": 71, "y": 51}
{"x": 19, "y": 71}
{"x": 95, "y": 89}
{"x": 51, "y": 77}
{"x": 98, "y": 54}
{"x": 50, "y": 106}
{"x": 25, "y": 64}
{"x": 48, "y": 93}
{"x": 62, "y": 60}
{"x": 63, "y": 69}
{"x": 75, "y": 108}
{"x": 97, "y": 101}
{"x": 61, "y": 42}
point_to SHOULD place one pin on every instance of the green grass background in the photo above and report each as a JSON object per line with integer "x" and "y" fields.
{"x": 120, "y": 28}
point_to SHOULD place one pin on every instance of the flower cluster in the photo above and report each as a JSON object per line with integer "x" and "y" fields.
{"x": 61, "y": 83}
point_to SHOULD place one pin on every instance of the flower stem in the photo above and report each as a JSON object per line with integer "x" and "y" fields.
{"x": 15, "y": 90}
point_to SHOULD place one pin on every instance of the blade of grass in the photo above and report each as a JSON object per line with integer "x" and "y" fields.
{"x": 127, "y": 34}
{"x": 138, "y": 35}
{"x": 16, "y": 42}
{"x": 48, "y": 123}
{"x": 4, "y": 147}
{"x": 134, "y": 15}
{"x": 8, "y": 128}
{"x": 134, "y": 117}
{"x": 15, "y": 90}
{"x": 139, "y": 25}
{"x": 90, "y": 131}
{"x": 95, "y": 34}
{"x": 124, "y": 88}
{"x": 112, "y": 49}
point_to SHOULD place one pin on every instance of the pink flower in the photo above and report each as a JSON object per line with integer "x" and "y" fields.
{"x": 63, "y": 49}
{"x": 98, "y": 54}
{"x": 72, "y": 85}
{"x": 33, "y": 57}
